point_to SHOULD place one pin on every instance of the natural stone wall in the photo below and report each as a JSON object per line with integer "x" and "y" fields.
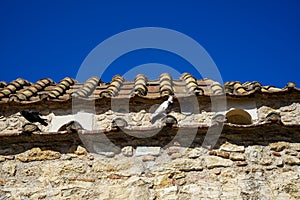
{"x": 248, "y": 162}
{"x": 289, "y": 110}
{"x": 290, "y": 114}
{"x": 228, "y": 172}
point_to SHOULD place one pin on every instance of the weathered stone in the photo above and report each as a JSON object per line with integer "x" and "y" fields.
{"x": 114, "y": 176}
{"x": 147, "y": 151}
{"x": 295, "y": 146}
{"x": 9, "y": 157}
{"x": 215, "y": 161}
{"x": 230, "y": 190}
{"x": 2, "y": 158}
{"x": 31, "y": 171}
{"x": 80, "y": 151}
{"x": 291, "y": 160}
{"x": 176, "y": 155}
{"x": 148, "y": 158}
{"x": 279, "y": 162}
{"x": 187, "y": 165}
{"x": 258, "y": 154}
{"x": 163, "y": 181}
{"x": 109, "y": 112}
{"x": 102, "y": 166}
{"x": 237, "y": 156}
{"x": 195, "y": 153}
{"x": 266, "y": 161}
{"x": 291, "y": 152}
{"x": 69, "y": 167}
{"x": 216, "y": 171}
{"x": 168, "y": 193}
{"x": 179, "y": 175}
{"x": 275, "y": 153}
{"x": 278, "y": 146}
{"x": 212, "y": 153}
{"x": 223, "y": 154}
{"x": 9, "y": 168}
{"x": 90, "y": 157}
{"x": 229, "y": 173}
{"x": 241, "y": 163}
{"x": 231, "y": 147}
{"x": 108, "y": 154}
{"x": 36, "y": 154}
{"x": 30, "y": 128}
{"x": 138, "y": 117}
{"x": 172, "y": 150}
{"x": 127, "y": 151}
{"x": 180, "y": 182}
{"x": 67, "y": 156}
{"x": 119, "y": 166}
{"x": 101, "y": 117}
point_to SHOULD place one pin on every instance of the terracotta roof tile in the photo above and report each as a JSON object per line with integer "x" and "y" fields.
{"x": 3, "y": 84}
{"x": 140, "y": 85}
{"x": 14, "y": 86}
{"x": 87, "y": 88}
{"x": 21, "y": 94}
{"x": 165, "y": 85}
{"x": 31, "y": 91}
{"x": 23, "y": 91}
{"x": 60, "y": 88}
{"x": 114, "y": 86}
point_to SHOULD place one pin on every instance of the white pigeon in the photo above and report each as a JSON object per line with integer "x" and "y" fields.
{"x": 161, "y": 110}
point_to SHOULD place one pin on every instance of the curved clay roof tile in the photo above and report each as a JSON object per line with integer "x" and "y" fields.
{"x": 166, "y": 84}
{"x": 270, "y": 89}
{"x": 254, "y": 86}
{"x": 88, "y": 87}
{"x": 290, "y": 85}
{"x": 61, "y": 88}
{"x": 25, "y": 94}
{"x": 239, "y": 88}
{"x": 114, "y": 86}
{"x": 217, "y": 88}
{"x": 191, "y": 83}
{"x": 13, "y": 87}
{"x": 3, "y": 84}
{"x": 140, "y": 85}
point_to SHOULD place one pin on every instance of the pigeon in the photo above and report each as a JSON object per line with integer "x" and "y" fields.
{"x": 161, "y": 110}
{"x": 33, "y": 116}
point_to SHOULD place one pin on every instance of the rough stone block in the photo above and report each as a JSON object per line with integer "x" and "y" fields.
{"x": 237, "y": 156}
{"x": 127, "y": 151}
{"x": 147, "y": 151}
{"x": 232, "y": 147}
{"x": 279, "y": 146}
{"x": 215, "y": 161}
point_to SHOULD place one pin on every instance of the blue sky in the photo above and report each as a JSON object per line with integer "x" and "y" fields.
{"x": 248, "y": 40}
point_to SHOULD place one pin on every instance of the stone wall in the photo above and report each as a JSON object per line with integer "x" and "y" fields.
{"x": 259, "y": 161}
{"x": 290, "y": 114}
{"x": 228, "y": 172}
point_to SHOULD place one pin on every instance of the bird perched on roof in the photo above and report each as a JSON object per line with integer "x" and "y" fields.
{"x": 33, "y": 116}
{"x": 162, "y": 109}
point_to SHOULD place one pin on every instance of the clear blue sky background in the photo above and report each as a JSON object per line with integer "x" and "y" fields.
{"x": 248, "y": 40}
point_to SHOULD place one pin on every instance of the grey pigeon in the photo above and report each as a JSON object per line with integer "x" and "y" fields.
{"x": 161, "y": 110}
{"x": 33, "y": 116}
